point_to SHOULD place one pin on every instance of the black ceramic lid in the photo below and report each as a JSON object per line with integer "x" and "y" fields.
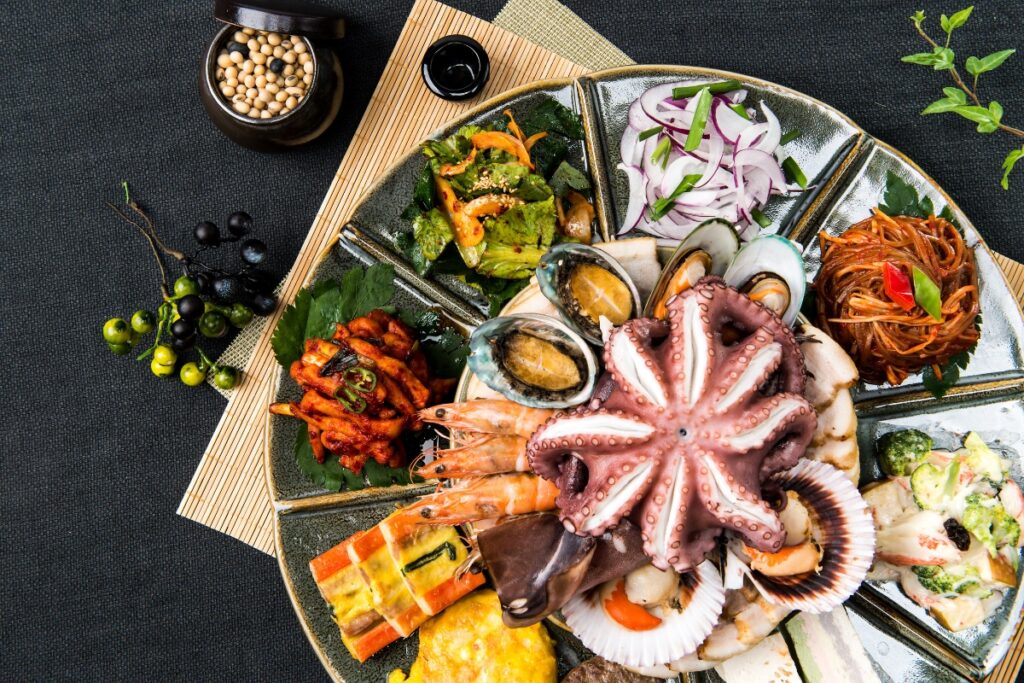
{"x": 298, "y": 17}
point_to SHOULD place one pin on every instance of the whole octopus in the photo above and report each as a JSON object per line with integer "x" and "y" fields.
{"x": 701, "y": 410}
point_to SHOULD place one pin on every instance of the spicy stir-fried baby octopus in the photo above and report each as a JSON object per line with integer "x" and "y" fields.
{"x": 363, "y": 388}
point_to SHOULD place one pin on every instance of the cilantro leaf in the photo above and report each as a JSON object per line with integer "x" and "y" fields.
{"x": 900, "y": 198}
{"x": 290, "y": 332}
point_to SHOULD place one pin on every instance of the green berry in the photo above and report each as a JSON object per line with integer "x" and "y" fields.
{"x": 240, "y": 315}
{"x": 120, "y": 349}
{"x": 213, "y": 324}
{"x": 226, "y": 377}
{"x": 185, "y": 285}
{"x": 161, "y": 370}
{"x": 192, "y": 375}
{"x": 117, "y": 331}
{"x": 143, "y": 321}
{"x": 165, "y": 355}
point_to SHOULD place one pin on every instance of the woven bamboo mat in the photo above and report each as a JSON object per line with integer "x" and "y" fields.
{"x": 227, "y": 492}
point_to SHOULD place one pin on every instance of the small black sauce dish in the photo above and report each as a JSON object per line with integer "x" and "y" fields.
{"x": 456, "y": 68}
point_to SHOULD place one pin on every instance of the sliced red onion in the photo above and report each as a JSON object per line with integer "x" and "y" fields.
{"x": 736, "y": 159}
{"x": 637, "y": 198}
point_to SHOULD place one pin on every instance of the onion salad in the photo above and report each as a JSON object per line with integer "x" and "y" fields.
{"x": 693, "y": 152}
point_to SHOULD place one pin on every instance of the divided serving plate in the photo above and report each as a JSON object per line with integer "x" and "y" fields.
{"x": 847, "y": 169}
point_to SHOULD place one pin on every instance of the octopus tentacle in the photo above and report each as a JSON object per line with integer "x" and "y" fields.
{"x": 768, "y": 418}
{"x": 613, "y": 490}
{"x": 632, "y": 365}
{"x": 751, "y": 363}
{"x": 737, "y": 507}
{"x": 690, "y": 348}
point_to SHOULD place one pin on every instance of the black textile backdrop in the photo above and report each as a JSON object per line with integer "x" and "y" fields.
{"x": 100, "y": 579}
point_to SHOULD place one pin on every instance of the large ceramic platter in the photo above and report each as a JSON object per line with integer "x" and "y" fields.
{"x": 847, "y": 168}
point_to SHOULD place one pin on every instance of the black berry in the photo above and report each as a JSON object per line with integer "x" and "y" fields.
{"x": 182, "y": 345}
{"x": 239, "y": 223}
{"x": 206, "y": 233}
{"x": 191, "y": 307}
{"x": 227, "y": 288}
{"x": 253, "y": 252}
{"x": 264, "y": 304}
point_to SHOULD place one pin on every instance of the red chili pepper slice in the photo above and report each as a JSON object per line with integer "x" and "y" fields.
{"x": 897, "y": 286}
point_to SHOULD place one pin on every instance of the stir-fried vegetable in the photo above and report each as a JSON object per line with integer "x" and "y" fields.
{"x": 492, "y": 199}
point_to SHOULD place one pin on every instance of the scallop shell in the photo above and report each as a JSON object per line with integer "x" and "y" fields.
{"x": 679, "y": 634}
{"x": 487, "y": 363}
{"x": 844, "y": 530}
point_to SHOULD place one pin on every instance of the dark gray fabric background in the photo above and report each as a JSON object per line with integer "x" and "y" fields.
{"x": 100, "y": 579}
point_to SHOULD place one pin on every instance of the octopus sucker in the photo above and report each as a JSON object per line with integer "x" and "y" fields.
{"x": 619, "y": 501}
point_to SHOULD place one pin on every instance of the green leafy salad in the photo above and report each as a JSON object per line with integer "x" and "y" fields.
{"x": 949, "y": 525}
{"x": 492, "y": 199}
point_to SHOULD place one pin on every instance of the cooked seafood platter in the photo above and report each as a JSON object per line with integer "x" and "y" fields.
{"x": 662, "y": 373}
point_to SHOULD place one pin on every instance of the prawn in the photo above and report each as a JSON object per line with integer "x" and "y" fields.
{"x": 490, "y": 497}
{"x": 488, "y": 416}
{"x": 487, "y": 455}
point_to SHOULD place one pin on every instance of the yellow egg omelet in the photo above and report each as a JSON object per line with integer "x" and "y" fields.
{"x": 468, "y": 643}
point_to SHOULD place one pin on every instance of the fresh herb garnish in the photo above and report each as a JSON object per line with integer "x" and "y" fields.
{"x": 552, "y": 116}
{"x": 760, "y": 218}
{"x": 790, "y": 135}
{"x": 314, "y": 313}
{"x": 794, "y": 173}
{"x": 663, "y": 205}
{"x": 424, "y": 560}
{"x": 963, "y": 100}
{"x": 661, "y": 152}
{"x": 700, "y": 120}
{"x": 649, "y": 132}
{"x": 741, "y": 110}
{"x": 927, "y": 293}
{"x": 716, "y": 88}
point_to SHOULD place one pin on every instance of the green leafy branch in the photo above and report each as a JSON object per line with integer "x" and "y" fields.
{"x": 963, "y": 99}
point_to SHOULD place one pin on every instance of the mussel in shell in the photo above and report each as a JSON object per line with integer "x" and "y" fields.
{"x": 534, "y": 360}
{"x": 770, "y": 270}
{"x": 585, "y": 284}
{"x": 708, "y": 250}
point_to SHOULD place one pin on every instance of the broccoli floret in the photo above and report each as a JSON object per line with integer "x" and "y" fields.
{"x": 990, "y": 523}
{"x": 982, "y": 460}
{"x": 950, "y": 579}
{"x": 899, "y": 452}
{"x": 1005, "y": 529}
{"x": 935, "y": 579}
{"x": 932, "y": 486}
